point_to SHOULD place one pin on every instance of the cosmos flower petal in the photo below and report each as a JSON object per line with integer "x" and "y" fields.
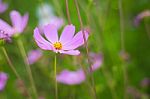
{"x": 67, "y": 34}
{"x": 58, "y": 22}
{"x": 50, "y": 32}
{"x": 34, "y": 55}
{"x": 70, "y": 52}
{"x": 71, "y": 77}
{"x": 16, "y": 20}
{"x": 3, "y": 6}
{"x": 76, "y": 42}
{"x": 3, "y": 80}
{"x": 77, "y": 77}
{"x": 96, "y": 60}
{"x": 41, "y": 42}
{"x": 6, "y": 28}
{"x": 24, "y": 21}
{"x": 140, "y": 16}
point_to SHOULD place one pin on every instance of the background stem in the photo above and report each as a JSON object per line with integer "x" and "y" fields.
{"x": 123, "y": 46}
{"x": 67, "y": 11}
{"x": 86, "y": 46}
{"x": 14, "y": 70}
{"x": 23, "y": 53}
{"x": 10, "y": 63}
{"x": 55, "y": 74}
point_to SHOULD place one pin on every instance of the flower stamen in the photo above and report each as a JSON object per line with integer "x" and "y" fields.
{"x": 58, "y": 45}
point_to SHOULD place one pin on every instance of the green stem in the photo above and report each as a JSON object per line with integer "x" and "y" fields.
{"x": 87, "y": 51}
{"x": 67, "y": 11}
{"x": 55, "y": 71}
{"x": 23, "y": 53}
{"x": 123, "y": 45}
{"x": 13, "y": 69}
{"x": 58, "y": 7}
{"x": 108, "y": 81}
{"x": 10, "y": 63}
{"x": 121, "y": 24}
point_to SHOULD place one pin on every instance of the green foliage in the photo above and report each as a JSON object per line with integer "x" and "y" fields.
{"x": 102, "y": 17}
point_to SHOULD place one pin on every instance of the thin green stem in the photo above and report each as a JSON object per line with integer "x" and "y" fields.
{"x": 23, "y": 53}
{"x": 147, "y": 29}
{"x": 58, "y": 7}
{"x": 14, "y": 70}
{"x": 122, "y": 45}
{"x": 55, "y": 71}
{"x": 121, "y": 24}
{"x": 67, "y": 11}
{"x": 109, "y": 83}
{"x": 86, "y": 46}
{"x": 69, "y": 22}
{"x": 10, "y": 63}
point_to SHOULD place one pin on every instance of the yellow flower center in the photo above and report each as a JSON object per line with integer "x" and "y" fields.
{"x": 58, "y": 45}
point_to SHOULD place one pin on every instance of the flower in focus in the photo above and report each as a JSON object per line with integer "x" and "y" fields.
{"x": 77, "y": 77}
{"x": 34, "y": 56}
{"x": 3, "y": 6}
{"x": 140, "y": 16}
{"x": 71, "y": 77}
{"x": 66, "y": 44}
{"x": 18, "y": 24}
{"x": 3, "y": 80}
{"x": 46, "y": 16}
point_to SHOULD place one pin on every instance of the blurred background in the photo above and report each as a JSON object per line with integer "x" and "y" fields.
{"x": 119, "y": 30}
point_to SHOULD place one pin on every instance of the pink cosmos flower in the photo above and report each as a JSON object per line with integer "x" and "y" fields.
{"x": 58, "y": 22}
{"x": 3, "y": 80}
{"x": 34, "y": 56}
{"x": 4, "y": 36}
{"x": 97, "y": 60}
{"x": 71, "y": 77}
{"x": 145, "y": 82}
{"x": 77, "y": 77}
{"x": 18, "y": 23}
{"x": 66, "y": 44}
{"x": 3, "y": 6}
{"x": 140, "y": 16}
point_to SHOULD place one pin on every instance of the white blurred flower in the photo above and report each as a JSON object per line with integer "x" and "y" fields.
{"x": 46, "y": 16}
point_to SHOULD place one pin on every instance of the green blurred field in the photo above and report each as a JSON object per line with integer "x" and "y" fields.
{"x": 103, "y": 19}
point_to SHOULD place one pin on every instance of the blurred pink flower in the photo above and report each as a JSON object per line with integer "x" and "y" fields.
{"x": 77, "y": 77}
{"x": 71, "y": 77}
{"x": 134, "y": 92}
{"x": 41, "y": 97}
{"x": 18, "y": 24}
{"x": 3, "y": 80}
{"x": 145, "y": 82}
{"x": 66, "y": 44}
{"x": 58, "y": 22}
{"x": 4, "y": 36}
{"x": 97, "y": 60}
{"x": 45, "y": 14}
{"x": 3, "y": 6}
{"x": 34, "y": 56}
{"x": 140, "y": 16}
